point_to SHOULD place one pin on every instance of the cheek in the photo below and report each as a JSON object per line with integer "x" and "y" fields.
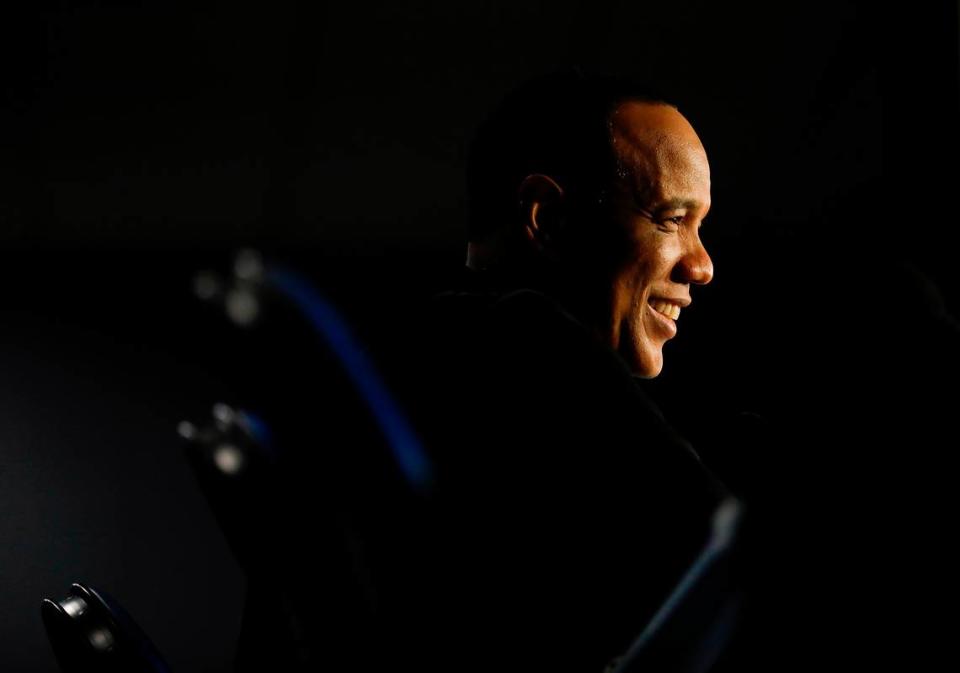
{"x": 629, "y": 291}
{"x": 640, "y": 275}
{"x": 658, "y": 263}
{"x": 644, "y": 264}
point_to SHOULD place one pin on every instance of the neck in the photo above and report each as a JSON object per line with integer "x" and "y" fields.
{"x": 505, "y": 268}
{"x": 515, "y": 269}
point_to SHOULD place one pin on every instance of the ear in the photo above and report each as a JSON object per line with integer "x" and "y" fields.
{"x": 541, "y": 212}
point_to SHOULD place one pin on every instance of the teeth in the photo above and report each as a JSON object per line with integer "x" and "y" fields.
{"x": 666, "y": 308}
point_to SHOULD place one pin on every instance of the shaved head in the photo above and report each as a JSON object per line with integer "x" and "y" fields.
{"x": 596, "y": 191}
{"x": 652, "y": 142}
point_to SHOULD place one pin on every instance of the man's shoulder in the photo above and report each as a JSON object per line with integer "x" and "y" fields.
{"x": 529, "y": 321}
{"x": 521, "y": 349}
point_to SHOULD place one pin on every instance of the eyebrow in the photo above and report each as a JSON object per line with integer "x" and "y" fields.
{"x": 675, "y": 203}
{"x": 678, "y": 203}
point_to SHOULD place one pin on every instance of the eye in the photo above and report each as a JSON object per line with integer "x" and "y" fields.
{"x": 670, "y": 223}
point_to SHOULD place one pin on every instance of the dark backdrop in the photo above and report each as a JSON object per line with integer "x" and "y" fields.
{"x": 140, "y": 142}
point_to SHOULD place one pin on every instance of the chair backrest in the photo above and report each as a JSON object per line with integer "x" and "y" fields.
{"x": 90, "y": 633}
{"x": 690, "y": 629}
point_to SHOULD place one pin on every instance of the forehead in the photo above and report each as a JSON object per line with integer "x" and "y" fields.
{"x": 659, "y": 154}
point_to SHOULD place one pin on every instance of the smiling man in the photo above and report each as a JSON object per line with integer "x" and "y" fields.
{"x": 570, "y": 507}
{"x": 660, "y": 199}
{"x": 606, "y": 218}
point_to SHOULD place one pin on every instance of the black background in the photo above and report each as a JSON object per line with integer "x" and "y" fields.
{"x": 140, "y": 142}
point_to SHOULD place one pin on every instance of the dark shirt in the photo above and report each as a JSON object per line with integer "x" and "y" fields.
{"x": 569, "y": 508}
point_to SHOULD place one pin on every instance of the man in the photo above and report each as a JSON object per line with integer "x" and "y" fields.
{"x": 627, "y": 261}
{"x": 569, "y": 507}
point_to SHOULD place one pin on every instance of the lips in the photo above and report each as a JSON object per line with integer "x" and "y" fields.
{"x": 665, "y": 308}
{"x": 664, "y": 314}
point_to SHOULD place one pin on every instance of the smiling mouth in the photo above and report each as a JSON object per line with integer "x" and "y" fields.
{"x": 665, "y": 308}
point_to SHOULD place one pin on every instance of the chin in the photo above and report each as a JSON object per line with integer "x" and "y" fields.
{"x": 646, "y": 365}
{"x": 648, "y": 372}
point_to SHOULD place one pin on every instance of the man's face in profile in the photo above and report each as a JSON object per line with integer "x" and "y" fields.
{"x": 654, "y": 254}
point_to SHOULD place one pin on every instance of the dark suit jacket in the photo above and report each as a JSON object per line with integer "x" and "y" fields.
{"x": 567, "y": 507}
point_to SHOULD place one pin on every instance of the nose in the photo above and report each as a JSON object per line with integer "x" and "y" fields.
{"x": 695, "y": 265}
